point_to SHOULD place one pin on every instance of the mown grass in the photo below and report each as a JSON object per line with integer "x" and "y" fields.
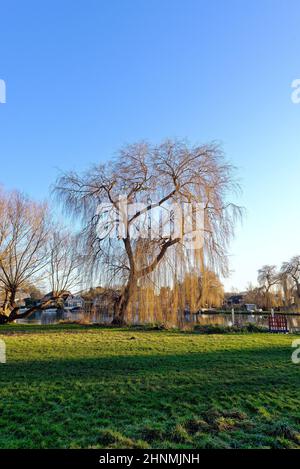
{"x": 69, "y": 386}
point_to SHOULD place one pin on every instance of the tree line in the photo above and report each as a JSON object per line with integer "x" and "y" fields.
{"x": 278, "y": 287}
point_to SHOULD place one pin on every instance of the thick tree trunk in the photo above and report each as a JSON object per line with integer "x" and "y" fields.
{"x": 122, "y": 304}
{"x": 5, "y": 307}
{"x": 298, "y": 292}
{"x": 9, "y": 307}
{"x": 3, "y": 319}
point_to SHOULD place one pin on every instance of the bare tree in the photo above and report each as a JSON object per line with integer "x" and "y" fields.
{"x": 26, "y": 253}
{"x": 268, "y": 278}
{"x": 290, "y": 271}
{"x": 153, "y": 176}
{"x": 64, "y": 261}
{"x": 24, "y": 237}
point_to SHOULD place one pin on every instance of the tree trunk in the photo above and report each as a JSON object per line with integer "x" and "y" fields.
{"x": 122, "y": 304}
{"x": 3, "y": 319}
{"x": 8, "y": 307}
{"x": 298, "y": 292}
{"x": 5, "y": 307}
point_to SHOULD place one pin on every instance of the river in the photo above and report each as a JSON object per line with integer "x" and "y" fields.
{"x": 205, "y": 319}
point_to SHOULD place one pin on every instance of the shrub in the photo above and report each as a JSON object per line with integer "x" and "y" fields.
{"x": 211, "y": 329}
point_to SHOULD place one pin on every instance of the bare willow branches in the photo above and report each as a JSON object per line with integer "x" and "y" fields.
{"x": 152, "y": 176}
{"x": 63, "y": 266}
{"x": 290, "y": 275}
{"x": 23, "y": 227}
{"x": 31, "y": 251}
{"x": 279, "y": 287}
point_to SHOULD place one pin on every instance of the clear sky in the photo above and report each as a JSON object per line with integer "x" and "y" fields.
{"x": 84, "y": 77}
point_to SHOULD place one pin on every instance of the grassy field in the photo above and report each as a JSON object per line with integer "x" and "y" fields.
{"x": 87, "y": 387}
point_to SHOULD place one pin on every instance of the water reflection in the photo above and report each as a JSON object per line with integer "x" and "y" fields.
{"x": 205, "y": 319}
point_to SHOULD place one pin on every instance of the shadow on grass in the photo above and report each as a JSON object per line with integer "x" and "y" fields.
{"x": 255, "y": 365}
{"x": 15, "y": 329}
{"x": 105, "y": 401}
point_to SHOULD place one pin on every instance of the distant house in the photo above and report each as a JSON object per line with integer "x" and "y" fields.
{"x": 235, "y": 300}
{"x": 103, "y": 305}
{"x": 105, "y": 300}
{"x": 74, "y": 301}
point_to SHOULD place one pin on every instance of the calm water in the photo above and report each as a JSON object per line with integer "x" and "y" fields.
{"x": 243, "y": 319}
{"x": 220, "y": 319}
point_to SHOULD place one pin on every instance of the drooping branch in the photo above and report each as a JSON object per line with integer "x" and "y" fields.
{"x": 150, "y": 268}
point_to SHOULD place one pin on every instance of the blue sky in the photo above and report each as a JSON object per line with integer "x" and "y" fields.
{"x": 85, "y": 77}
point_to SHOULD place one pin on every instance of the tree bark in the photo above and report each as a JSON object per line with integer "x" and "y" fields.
{"x": 298, "y": 290}
{"x": 122, "y": 303}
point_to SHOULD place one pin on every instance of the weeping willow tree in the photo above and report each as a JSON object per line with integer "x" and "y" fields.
{"x": 136, "y": 232}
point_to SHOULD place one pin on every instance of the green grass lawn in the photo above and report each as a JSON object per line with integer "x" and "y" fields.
{"x": 87, "y": 387}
